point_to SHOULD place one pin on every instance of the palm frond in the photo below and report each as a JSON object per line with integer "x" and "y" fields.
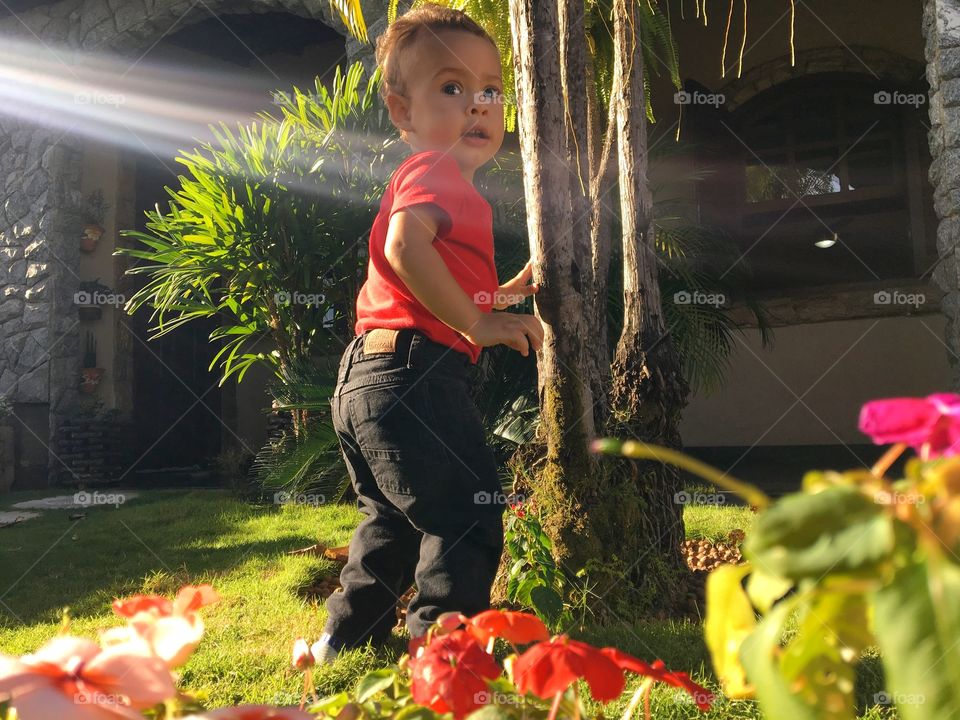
{"x": 351, "y": 13}
{"x": 311, "y": 462}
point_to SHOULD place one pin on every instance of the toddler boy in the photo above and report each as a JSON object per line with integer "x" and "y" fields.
{"x": 410, "y": 433}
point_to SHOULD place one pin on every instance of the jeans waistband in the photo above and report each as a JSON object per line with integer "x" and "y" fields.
{"x": 413, "y": 351}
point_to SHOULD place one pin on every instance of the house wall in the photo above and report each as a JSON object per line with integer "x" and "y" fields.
{"x": 835, "y": 348}
{"x": 808, "y": 388}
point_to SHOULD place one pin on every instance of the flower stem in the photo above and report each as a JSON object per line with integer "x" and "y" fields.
{"x": 887, "y": 459}
{"x": 555, "y": 706}
{"x": 637, "y": 697}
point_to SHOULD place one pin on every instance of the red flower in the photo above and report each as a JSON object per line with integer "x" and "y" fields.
{"x": 517, "y": 508}
{"x": 448, "y": 674}
{"x": 515, "y": 627}
{"x": 551, "y": 667}
{"x": 658, "y": 671}
{"x": 930, "y": 425}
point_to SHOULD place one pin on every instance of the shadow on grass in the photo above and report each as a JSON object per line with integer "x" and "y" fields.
{"x": 51, "y": 561}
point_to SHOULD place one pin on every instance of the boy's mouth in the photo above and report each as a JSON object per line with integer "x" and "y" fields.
{"x": 476, "y": 133}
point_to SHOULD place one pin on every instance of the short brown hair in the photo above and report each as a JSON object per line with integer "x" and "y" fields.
{"x": 402, "y": 32}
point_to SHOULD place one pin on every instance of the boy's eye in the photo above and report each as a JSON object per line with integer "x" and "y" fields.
{"x": 492, "y": 92}
{"x": 451, "y": 89}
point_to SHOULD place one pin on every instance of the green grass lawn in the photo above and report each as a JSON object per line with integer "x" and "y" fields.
{"x": 164, "y": 539}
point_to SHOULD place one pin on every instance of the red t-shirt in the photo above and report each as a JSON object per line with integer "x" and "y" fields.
{"x": 464, "y": 240}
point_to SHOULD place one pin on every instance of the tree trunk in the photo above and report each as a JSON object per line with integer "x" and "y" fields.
{"x": 614, "y": 517}
{"x": 648, "y": 391}
{"x": 560, "y": 261}
{"x": 601, "y": 231}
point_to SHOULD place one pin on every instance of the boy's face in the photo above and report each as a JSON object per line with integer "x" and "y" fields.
{"x": 453, "y": 88}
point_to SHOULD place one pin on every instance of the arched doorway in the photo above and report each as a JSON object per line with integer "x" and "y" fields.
{"x": 182, "y": 417}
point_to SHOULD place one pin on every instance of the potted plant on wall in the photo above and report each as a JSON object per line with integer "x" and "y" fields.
{"x": 91, "y": 374}
{"x": 90, "y": 298}
{"x": 91, "y": 213}
{"x": 6, "y": 445}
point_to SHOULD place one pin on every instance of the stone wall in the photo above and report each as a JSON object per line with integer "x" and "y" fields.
{"x": 39, "y": 171}
{"x": 941, "y": 30}
{"x": 41, "y": 175}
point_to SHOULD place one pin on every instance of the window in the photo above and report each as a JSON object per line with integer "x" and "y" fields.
{"x": 824, "y": 183}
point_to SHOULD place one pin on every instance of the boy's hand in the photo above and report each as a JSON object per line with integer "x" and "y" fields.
{"x": 520, "y": 332}
{"x": 516, "y": 290}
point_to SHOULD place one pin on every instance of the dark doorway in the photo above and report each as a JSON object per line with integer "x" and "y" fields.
{"x": 176, "y": 400}
{"x": 178, "y": 409}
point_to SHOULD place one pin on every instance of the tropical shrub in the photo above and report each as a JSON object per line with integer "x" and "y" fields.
{"x": 267, "y": 230}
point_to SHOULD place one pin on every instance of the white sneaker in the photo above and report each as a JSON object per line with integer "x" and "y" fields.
{"x": 323, "y": 651}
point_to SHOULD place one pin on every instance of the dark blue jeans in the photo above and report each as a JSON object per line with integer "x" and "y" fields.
{"x": 425, "y": 479}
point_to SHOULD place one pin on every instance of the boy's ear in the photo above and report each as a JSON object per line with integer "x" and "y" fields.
{"x": 399, "y": 110}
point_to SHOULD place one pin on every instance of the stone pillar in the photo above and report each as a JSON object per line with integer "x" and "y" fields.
{"x": 39, "y": 171}
{"x": 941, "y": 30}
{"x": 375, "y": 15}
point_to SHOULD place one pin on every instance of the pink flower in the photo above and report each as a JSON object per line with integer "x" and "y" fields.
{"x": 71, "y": 678}
{"x": 253, "y": 712}
{"x": 172, "y": 629}
{"x": 930, "y": 425}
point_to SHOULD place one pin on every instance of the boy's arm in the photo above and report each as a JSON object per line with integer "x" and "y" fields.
{"x": 410, "y": 252}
